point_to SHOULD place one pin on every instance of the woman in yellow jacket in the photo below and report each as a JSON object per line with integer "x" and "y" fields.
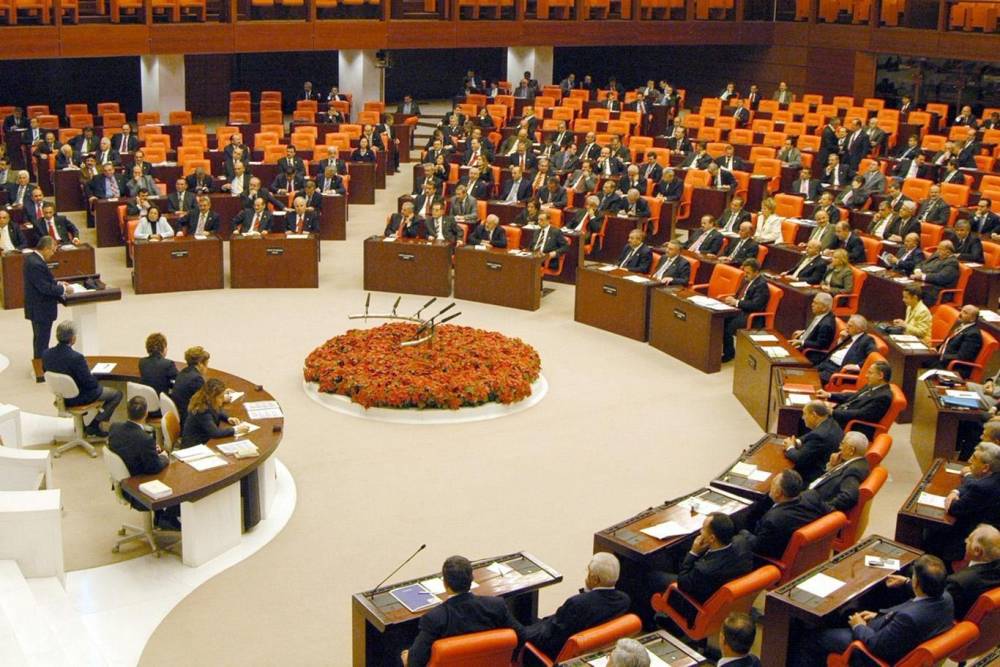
{"x": 918, "y": 316}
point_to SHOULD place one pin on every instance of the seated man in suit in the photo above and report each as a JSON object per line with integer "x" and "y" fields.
{"x": 287, "y": 181}
{"x": 292, "y": 160}
{"x": 824, "y": 232}
{"x": 939, "y": 271}
{"x": 19, "y": 192}
{"x": 720, "y": 178}
{"x": 57, "y": 226}
{"x": 255, "y": 221}
{"x": 811, "y": 268}
{"x": 975, "y": 501}
{"x": 598, "y": 603}
{"x": 836, "y": 174}
{"x": 736, "y": 640}
{"x": 636, "y": 256}
{"x": 826, "y": 204}
{"x": 806, "y": 185}
{"x": 108, "y": 185}
{"x": 894, "y": 632}
{"x": 631, "y": 179}
{"x": 181, "y": 200}
{"x": 300, "y": 220}
{"x": 517, "y": 189}
{"x": 818, "y": 335}
{"x": 651, "y": 169}
{"x": 588, "y": 220}
{"x": 258, "y": 190}
{"x": 844, "y": 472}
{"x": 464, "y": 207}
{"x": 553, "y": 194}
{"x": 714, "y": 560}
{"x": 489, "y": 233}
{"x": 907, "y": 257}
{"x": 752, "y": 298}
{"x": 847, "y": 239}
{"x": 869, "y": 404}
{"x": 963, "y": 343}
{"x": 330, "y": 183}
{"x": 64, "y": 359}
{"x": 792, "y": 508}
{"x": 734, "y": 216}
{"x": 239, "y": 179}
{"x": 201, "y": 182}
{"x": 11, "y": 238}
{"x": 610, "y": 200}
{"x": 669, "y": 187}
{"x": 853, "y": 347}
{"x": 707, "y": 240}
{"x": 461, "y": 613}
{"x": 698, "y": 159}
{"x": 741, "y": 249}
{"x": 810, "y": 453}
{"x": 441, "y": 227}
{"x": 608, "y": 165}
{"x": 67, "y": 158}
{"x": 549, "y": 240}
{"x": 855, "y": 196}
{"x": 934, "y": 209}
{"x": 985, "y": 222}
{"x": 136, "y": 446}
{"x": 332, "y": 159}
{"x": 201, "y": 221}
{"x": 406, "y": 224}
{"x": 106, "y": 154}
{"x": 968, "y": 246}
{"x": 125, "y": 141}
{"x": 730, "y": 161}
{"x": 884, "y": 223}
{"x": 982, "y": 551}
{"x": 673, "y": 269}
{"x": 633, "y": 205}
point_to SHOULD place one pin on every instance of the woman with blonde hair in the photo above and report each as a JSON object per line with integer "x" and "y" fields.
{"x": 839, "y": 278}
{"x": 768, "y": 223}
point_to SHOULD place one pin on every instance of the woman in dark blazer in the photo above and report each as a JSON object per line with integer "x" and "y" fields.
{"x": 364, "y": 152}
{"x": 205, "y": 415}
{"x": 839, "y": 278}
{"x": 155, "y": 370}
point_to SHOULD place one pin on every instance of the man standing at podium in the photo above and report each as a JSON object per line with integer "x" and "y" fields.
{"x": 42, "y": 294}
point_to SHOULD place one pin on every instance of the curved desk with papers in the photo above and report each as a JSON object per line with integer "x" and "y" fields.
{"x": 219, "y": 503}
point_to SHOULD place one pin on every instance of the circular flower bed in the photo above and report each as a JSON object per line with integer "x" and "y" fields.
{"x": 460, "y": 367}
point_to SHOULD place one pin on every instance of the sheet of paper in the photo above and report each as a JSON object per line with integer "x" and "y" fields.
{"x": 939, "y": 373}
{"x": 662, "y": 531}
{"x": 248, "y": 427}
{"x": 764, "y": 338}
{"x": 436, "y": 585}
{"x": 233, "y": 396}
{"x": 873, "y": 268}
{"x": 389, "y": 239}
{"x": 103, "y": 368}
{"x": 989, "y": 315}
{"x": 207, "y": 463}
{"x": 201, "y": 237}
{"x": 265, "y": 413}
{"x": 931, "y": 500}
{"x": 759, "y": 476}
{"x": 500, "y": 569}
{"x": 798, "y": 399}
{"x": 296, "y": 236}
{"x": 904, "y": 338}
{"x": 637, "y": 279}
{"x": 961, "y": 393}
{"x": 743, "y": 469}
{"x": 820, "y": 585}
{"x": 882, "y": 563}
{"x": 607, "y": 267}
{"x": 192, "y": 453}
{"x": 700, "y": 506}
{"x": 902, "y": 281}
{"x": 799, "y": 283}
{"x": 775, "y": 351}
{"x": 913, "y": 346}
{"x": 954, "y": 468}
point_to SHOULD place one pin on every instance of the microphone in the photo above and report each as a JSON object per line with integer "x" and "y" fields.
{"x": 430, "y": 323}
{"x": 417, "y": 314}
{"x": 371, "y": 595}
{"x": 398, "y": 299}
{"x": 450, "y": 317}
{"x": 367, "y": 303}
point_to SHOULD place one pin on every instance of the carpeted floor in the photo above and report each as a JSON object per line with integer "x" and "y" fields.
{"x": 623, "y": 428}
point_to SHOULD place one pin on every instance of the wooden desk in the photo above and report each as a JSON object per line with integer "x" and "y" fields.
{"x": 687, "y": 331}
{"x": 83, "y": 306}
{"x": 906, "y": 365}
{"x": 934, "y": 432}
{"x": 782, "y": 417}
{"x": 782, "y": 257}
{"x": 706, "y": 201}
{"x": 217, "y": 504}
{"x": 787, "y": 604}
{"x": 913, "y": 519}
{"x": 609, "y": 300}
{"x": 177, "y": 265}
{"x": 666, "y": 647}
{"x": 768, "y": 454}
{"x": 507, "y": 213}
{"x": 795, "y": 309}
{"x": 106, "y": 222}
{"x": 69, "y": 194}
{"x": 753, "y": 370}
{"x": 333, "y": 218}
{"x": 615, "y": 237}
{"x": 274, "y": 261}
{"x": 77, "y": 261}
{"x": 640, "y": 553}
{"x": 499, "y": 276}
{"x": 407, "y": 266}
{"x": 362, "y": 182}
{"x": 574, "y": 256}
{"x": 881, "y": 297}
{"x": 756, "y": 191}
{"x": 381, "y": 627}
{"x": 984, "y": 287}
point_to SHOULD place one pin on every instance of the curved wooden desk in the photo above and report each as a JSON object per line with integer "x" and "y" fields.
{"x": 217, "y": 505}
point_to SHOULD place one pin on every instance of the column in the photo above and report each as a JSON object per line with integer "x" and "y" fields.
{"x": 359, "y": 76}
{"x": 163, "y": 84}
{"x": 534, "y": 59}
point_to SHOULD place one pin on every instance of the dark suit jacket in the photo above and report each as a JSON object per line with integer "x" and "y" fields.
{"x": 963, "y": 346}
{"x": 854, "y": 246}
{"x": 97, "y": 187}
{"x": 812, "y": 187}
{"x": 300, "y": 166}
{"x": 340, "y": 167}
{"x": 174, "y": 201}
{"x": 966, "y": 585}
{"x": 639, "y": 210}
{"x": 868, "y": 404}
{"x": 701, "y": 576}
{"x": 696, "y": 161}
{"x": 523, "y": 189}
{"x": 936, "y": 211}
{"x": 740, "y": 253}
{"x": 938, "y": 274}
{"x": 640, "y": 260}
{"x": 987, "y": 224}
{"x": 723, "y": 178}
{"x": 810, "y": 457}
{"x": 336, "y": 184}
{"x": 672, "y": 190}
{"x": 449, "y": 228}
{"x": 188, "y": 381}
{"x": 282, "y": 182}
{"x": 813, "y": 271}
{"x": 498, "y": 239}
{"x": 415, "y": 228}
{"x": 104, "y": 157}
{"x": 557, "y": 198}
{"x": 711, "y": 244}
{"x": 206, "y": 184}
{"x": 584, "y": 610}
{"x": 908, "y": 262}
{"x": 266, "y": 195}
{"x": 858, "y": 148}
{"x": 458, "y": 615}
{"x": 200, "y": 427}
{"x": 977, "y": 503}
{"x": 754, "y": 299}
{"x": 131, "y": 145}
{"x": 969, "y": 249}
{"x": 679, "y": 271}
{"x": 775, "y": 528}
{"x": 244, "y": 220}
{"x": 838, "y": 488}
{"x": 856, "y": 354}
{"x": 137, "y": 448}
{"x": 730, "y": 221}
{"x": 66, "y": 229}
{"x": 734, "y": 163}
{"x": 310, "y": 222}
{"x": 64, "y": 359}
{"x": 899, "y": 630}
{"x": 190, "y": 221}
{"x": 843, "y": 175}
{"x": 651, "y": 172}
{"x": 820, "y": 338}
{"x": 16, "y": 237}
{"x": 554, "y": 242}
{"x": 158, "y": 373}
{"x": 42, "y": 294}
{"x": 63, "y": 163}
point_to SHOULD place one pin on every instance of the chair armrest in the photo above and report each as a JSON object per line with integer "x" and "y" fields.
{"x": 661, "y": 603}
{"x": 854, "y": 422}
{"x": 838, "y": 299}
{"x": 952, "y": 291}
{"x": 844, "y": 380}
{"x": 702, "y": 287}
{"x": 771, "y": 561}
{"x": 845, "y": 657}
{"x": 958, "y": 362}
{"x": 752, "y": 316}
{"x": 537, "y": 652}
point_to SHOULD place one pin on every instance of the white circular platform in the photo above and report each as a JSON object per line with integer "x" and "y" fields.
{"x": 345, "y": 406}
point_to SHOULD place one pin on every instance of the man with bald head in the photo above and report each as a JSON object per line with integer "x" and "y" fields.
{"x": 963, "y": 342}
{"x": 809, "y": 454}
{"x": 937, "y": 272}
{"x": 636, "y": 256}
{"x": 907, "y": 257}
{"x": 838, "y": 486}
{"x": 673, "y": 269}
{"x": 741, "y": 249}
{"x": 853, "y": 347}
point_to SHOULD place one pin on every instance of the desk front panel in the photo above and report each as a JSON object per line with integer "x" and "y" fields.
{"x": 333, "y": 218}
{"x": 499, "y": 277}
{"x": 68, "y": 191}
{"x": 687, "y": 331}
{"x": 177, "y": 265}
{"x": 752, "y": 372}
{"x": 914, "y": 518}
{"x": 274, "y": 261}
{"x": 406, "y": 267}
{"x": 606, "y": 300}
{"x": 76, "y": 262}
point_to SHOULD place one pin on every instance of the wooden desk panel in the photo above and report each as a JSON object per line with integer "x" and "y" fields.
{"x": 752, "y": 371}
{"x": 795, "y": 309}
{"x": 786, "y": 603}
{"x": 607, "y": 300}
{"x": 706, "y": 201}
{"x": 934, "y": 432}
{"x": 616, "y": 237}
{"x": 498, "y": 276}
{"x": 362, "y": 182}
{"x": 333, "y": 218}
{"x": 381, "y": 626}
{"x": 984, "y": 287}
{"x": 574, "y": 256}
{"x": 507, "y": 213}
{"x": 106, "y": 222}
{"x": 767, "y": 454}
{"x": 407, "y": 267}
{"x": 76, "y": 262}
{"x": 882, "y": 298}
{"x": 177, "y": 265}
{"x": 782, "y": 417}
{"x": 671, "y": 650}
{"x": 913, "y": 519}
{"x": 274, "y": 261}
{"x": 906, "y": 366}
{"x": 68, "y": 192}
{"x": 687, "y": 331}
{"x": 781, "y": 257}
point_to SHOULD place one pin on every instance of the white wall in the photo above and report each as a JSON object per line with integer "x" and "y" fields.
{"x": 163, "y": 84}
{"x": 359, "y": 77}
{"x": 534, "y": 59}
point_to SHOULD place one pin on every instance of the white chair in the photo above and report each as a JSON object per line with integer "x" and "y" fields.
{"x": 118, "y": 471}
{"x": 170, "y": 422}
{"x": 63, "y": 387}
{"x": 25, "y": 469}
{"x": 133, "y": 389}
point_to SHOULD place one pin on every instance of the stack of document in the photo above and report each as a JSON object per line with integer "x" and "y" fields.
{"x": 241, "y": 449}
{"x": 989, "y": 316}
{"x": 764, "y": 338}
{"x": 707, "y": 302}
{"x": 820, "y": 585}
{"x": 103, "y": 368}
{"x": 199, "y": 457}
{"x": 750, "y": 471}
{"x": 607, "y": 267}
{"x": 775, "y": 351}
{"x": 882, "y": 563}
{"x": 700, "y": 505}
{"x": 415, "y": 597}
{"x": 263, "y": 410}
{"x": 662, "y": 531}
{"x": 798, "y": 399}
{"x": 155, "y": 489}
{"x": 636, "y": 278}
{"x": 872, "y": 268}
{"x": 931, "y": 500}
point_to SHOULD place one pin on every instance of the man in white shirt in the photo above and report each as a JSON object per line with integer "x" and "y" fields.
{"x": 10, "y": 235}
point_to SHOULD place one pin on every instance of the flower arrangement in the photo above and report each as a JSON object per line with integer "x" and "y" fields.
{"x": 459, "y": 367}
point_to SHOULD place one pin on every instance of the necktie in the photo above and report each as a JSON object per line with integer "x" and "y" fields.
{"x": 20, "y": 193}
{"x": 124, "y": 146}
{"x": 628, "y": 257}
{"x": 578, "y": 181}
{"x": 5, "y": 243}
{"x": 805, "y": 187}
{"x": 38, "y": 210}
{"x": 52, "y": 230}
{"x": 113, "y": 187}
{"x": 666, "y": 266}
{"x": 299, "y": 225}
{"x": 256, "y": 222}
{"x": 697, "y": 244}
{"x": 512, "y": 195}
{"x": 540, "y": 243}
{"x": 437, "y": 229}
{"x": 399, "y": 232}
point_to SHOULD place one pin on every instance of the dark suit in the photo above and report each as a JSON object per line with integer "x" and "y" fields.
{"x": 673, "y": 190}
{"x": 283, "y": 182}
{"x": 66, "y": 230}
{"x": 247, "y": 199}
{"x": 938, "y": 274}
{"x": 701, "y": 576}
{"x": 459, "y": 615}
{"x": 740, "y": 250}
{"x": 730, "y": 221}
{"x": 609, "y": 203}
{"x": 204, "y": 184}
{"x": 137, "y": 448}
{"x": 188, "y": 381}
{"x": 854, "y": 246}
{"x": 811, "y": 270}
{"x": 64, "y": 359}
{"x": 908, "y": 259}
{"x": 820, "y": 338}
{"x": 696, "y": 161}
{"x": 42, "y": 295}
{"x": 978, "y": 502}
{"x": 708, "y": 243}
{"x": 98, "y": 186}
{"x": 497, "y": 239}
{"x": 16, "y": 237}
{"x": 731, "y": 163}
{"x": 243, "y": 221}
{"x": 296, "y": 162}
{"x": 773, "y": 531}
{"x": 969, "y": 249}
{"x": 412, "y": 230}
{"x": 755, "y": 296}
{"x": 336, "y": 184}
{"x": 966, "y": 585}
{"x": 637, "y": 209}
{"x": 339, "y": 167}
{"x": 812, "y": 187}
{"x": 593, "y": 225}
{"x": 200, "y": 427}
{"x": 828, "y": 144}
{"x": 62, "y": 162}
{"x": 868, "y": 404}
{"x": 557, "y": 198}
{"x": 554, "y": 242}
{"x": 679, "y": 270}
{"x": 986, "y": 224}
{"x": 449, "y": 228}
{"x": 310, "y": 223}
{"x": 124, "y": 144}
{"x": 177, "y": 202}
{"x": 858, "y": 350}
{"x": 962, "y": 346}
{"x": 936, "y": 211}
{"x": 523, "y": 190}
{"x": 839, "y": 176}
{"x": 190, "y": 221}
{"x": 637, "y": 260}
{"x": 651, "y": 172}
{"x": 723, "y": 179}
{"x": 814, "y": 449}
{"x": 580, "y": 612}
{"x": 858, "y": 146}
{"x": 158, "y": 373}
{"x": 838, "y": 488}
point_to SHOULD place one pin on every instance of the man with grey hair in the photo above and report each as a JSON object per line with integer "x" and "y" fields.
{"x": 838, "y": 487}
{"x": 975, "y": 501}
{"x": 818, "y": 335}
{"x": 810, "y": 453}
{"x": 634, "y": 206}
{"x": 598, "y": 603}
{"x": 853, "y": 347}
{"x": 64, "y": 359}
{"x": 937, "y": 272}
{"x": 628, "y": 653}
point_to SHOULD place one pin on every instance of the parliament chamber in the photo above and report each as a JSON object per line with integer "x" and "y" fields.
{"x": 755, "y": 245}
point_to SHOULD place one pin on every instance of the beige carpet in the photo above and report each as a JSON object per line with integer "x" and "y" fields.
{"x": 623, "y": 428}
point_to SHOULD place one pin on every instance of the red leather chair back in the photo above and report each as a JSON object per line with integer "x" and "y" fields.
{"x": 985, "y": 613}
{"x": 857, "y": 517}
{"x": 493, "y": 648}
{"x": 810, "y": 545}
{"x": 602, "y": 635}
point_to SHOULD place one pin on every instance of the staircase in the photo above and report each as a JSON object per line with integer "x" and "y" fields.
{"x": 39, "y": 625}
